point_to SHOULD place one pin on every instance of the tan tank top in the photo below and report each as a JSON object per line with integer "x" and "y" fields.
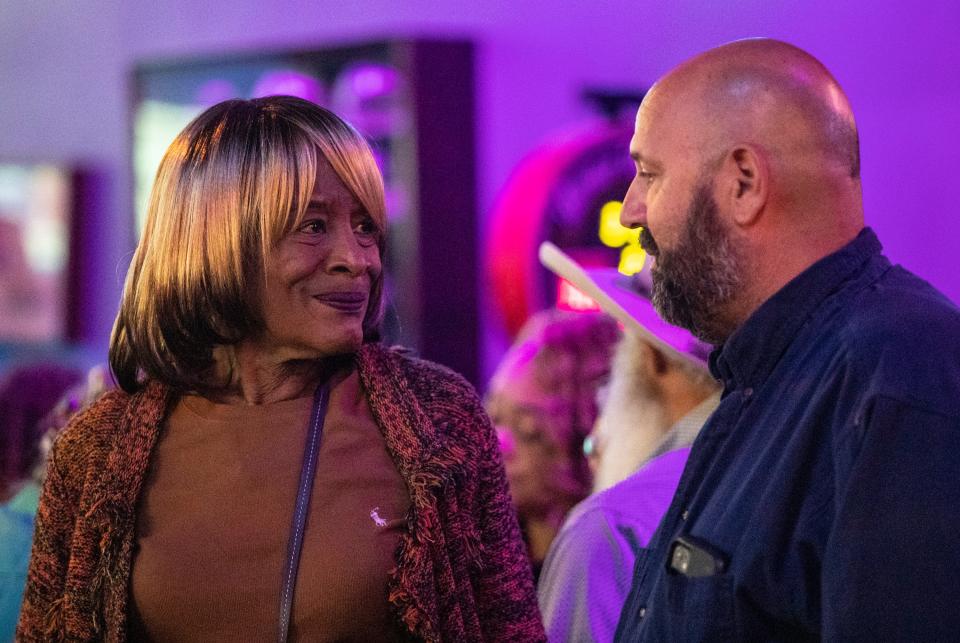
{"x": 215, "y": 512}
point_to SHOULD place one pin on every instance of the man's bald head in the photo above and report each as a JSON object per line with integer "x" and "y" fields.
{"x": 771, "y": 93}
{"x": 747, "y": 173}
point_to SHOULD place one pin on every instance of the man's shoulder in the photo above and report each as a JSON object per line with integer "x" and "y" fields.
{"x": 590, "y": 512}
{"x": 899, "y": 306}
{"x": 902, "y": 335}
{"x": 900, "y": 303}
{"x": 591, "y": 530}
{"x": 637, "y": 502}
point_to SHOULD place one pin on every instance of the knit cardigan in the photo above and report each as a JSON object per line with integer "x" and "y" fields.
{"x": 461, "y": 570}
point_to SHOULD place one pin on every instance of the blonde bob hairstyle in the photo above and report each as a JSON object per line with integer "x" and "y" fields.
{"x": 231, "y": 185}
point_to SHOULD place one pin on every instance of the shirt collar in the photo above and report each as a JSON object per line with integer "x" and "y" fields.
{"x": 749, "y": 355}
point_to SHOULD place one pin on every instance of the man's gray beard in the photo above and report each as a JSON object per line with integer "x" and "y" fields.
{"x": 693, "y": 282}
{"x": 633, "y": 420}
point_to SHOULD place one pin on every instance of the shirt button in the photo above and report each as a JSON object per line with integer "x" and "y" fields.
{"x": 643, "y": 612}
{"x": 747, "y": 392}
{"x": 685, "y": 515}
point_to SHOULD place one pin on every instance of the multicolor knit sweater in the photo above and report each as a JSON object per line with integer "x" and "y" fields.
{"x": 461, "y": 573}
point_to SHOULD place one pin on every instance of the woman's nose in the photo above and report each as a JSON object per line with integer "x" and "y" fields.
{"x": 508, "y": 445}
{"x": 347, "y": 255}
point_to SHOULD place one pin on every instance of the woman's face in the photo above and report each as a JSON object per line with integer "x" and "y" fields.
{"x": 534, "y": 427}
{"x": 318, "y": 278}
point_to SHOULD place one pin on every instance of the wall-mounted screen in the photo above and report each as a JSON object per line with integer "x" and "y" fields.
{"x": 36, "y": 202}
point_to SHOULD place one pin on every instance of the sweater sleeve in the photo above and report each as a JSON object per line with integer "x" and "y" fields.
{"x": 506, "y": 599}
{"x": 50, "y": 554}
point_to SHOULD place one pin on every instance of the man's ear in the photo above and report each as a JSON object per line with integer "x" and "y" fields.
{"x": 744, "y": 183}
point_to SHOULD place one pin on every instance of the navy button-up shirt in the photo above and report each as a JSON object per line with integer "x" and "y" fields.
{"x": 822, "y": 498}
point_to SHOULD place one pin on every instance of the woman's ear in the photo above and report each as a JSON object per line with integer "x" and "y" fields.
{"x": 744, "y": 183}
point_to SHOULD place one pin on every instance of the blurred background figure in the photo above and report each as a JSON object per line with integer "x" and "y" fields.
{"x": 542, "y": 399}
{"x": 28, "y": 396}
{"x": 659, "y": 396}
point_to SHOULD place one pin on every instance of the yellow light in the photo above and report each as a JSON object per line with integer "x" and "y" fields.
{"x": 632, "y": 258}
{"x": 613, "y": 234}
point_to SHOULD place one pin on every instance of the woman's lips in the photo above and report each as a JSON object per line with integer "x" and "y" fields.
{"x": 346, "y": 302}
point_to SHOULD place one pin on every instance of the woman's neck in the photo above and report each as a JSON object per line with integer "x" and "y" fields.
{"x": 540, "y": 532}
{"x": 257, "y": 377}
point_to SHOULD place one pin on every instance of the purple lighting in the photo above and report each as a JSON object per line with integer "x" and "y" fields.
{"x": 369, "y": 95}
{"x": 215, "y": 90}
{"x": 290, "y": 83}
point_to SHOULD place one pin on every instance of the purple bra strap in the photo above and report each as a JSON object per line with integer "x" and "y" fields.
{"x": 307, "y": 472}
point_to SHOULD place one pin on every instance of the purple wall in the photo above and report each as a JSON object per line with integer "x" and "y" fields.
{"x": 63, "y": 74}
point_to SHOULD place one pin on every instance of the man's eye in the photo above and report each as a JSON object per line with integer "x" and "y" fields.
{"x": 646, "y": 177}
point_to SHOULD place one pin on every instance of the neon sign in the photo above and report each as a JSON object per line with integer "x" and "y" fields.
{"x": 615, "y": 235}
{"x": 560, "y": 192}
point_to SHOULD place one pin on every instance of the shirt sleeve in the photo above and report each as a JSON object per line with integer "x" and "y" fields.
{"x": 585, "y": 578}
{"x": 891, "y": 565}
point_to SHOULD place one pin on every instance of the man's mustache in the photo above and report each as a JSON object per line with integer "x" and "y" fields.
{"x": 648, "y": 244}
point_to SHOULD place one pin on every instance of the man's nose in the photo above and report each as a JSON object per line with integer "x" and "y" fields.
{"x": 633, "y": 214}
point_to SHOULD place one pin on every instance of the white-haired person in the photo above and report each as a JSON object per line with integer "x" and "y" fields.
{"x": 659, "y": 396}
{"x": 268, "y": 470}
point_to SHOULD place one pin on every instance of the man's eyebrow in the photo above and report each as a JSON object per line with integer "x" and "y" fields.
{"x": 639, "y": 158}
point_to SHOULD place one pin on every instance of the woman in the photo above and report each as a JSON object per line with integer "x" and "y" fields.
{"x": 246, "y": 337}
{"x": 542, "y": 400}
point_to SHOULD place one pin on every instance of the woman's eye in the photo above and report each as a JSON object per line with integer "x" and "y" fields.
{"x": 367, "y": 230}
{"x": 313, "y": 226}
{"x": 529, "y": 432}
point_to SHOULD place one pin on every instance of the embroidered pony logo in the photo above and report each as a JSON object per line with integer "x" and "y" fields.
{"x": 375, "y": 517}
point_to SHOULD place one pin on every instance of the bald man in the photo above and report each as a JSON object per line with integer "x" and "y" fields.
{"x": 822, "y": 498}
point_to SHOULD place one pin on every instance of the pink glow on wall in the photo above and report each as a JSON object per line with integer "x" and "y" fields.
{"x": 570, "y": 298}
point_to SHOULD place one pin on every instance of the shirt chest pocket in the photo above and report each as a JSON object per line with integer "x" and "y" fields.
{"x": 697, "y": 609}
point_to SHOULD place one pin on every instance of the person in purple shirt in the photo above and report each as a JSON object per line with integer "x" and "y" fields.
{"x": 659, "y": 395}
{"x": 821, "y": 500}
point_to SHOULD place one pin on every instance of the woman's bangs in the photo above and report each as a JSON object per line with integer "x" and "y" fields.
{"x": 352, "y": 159}
{"x": 289, "y": 172}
